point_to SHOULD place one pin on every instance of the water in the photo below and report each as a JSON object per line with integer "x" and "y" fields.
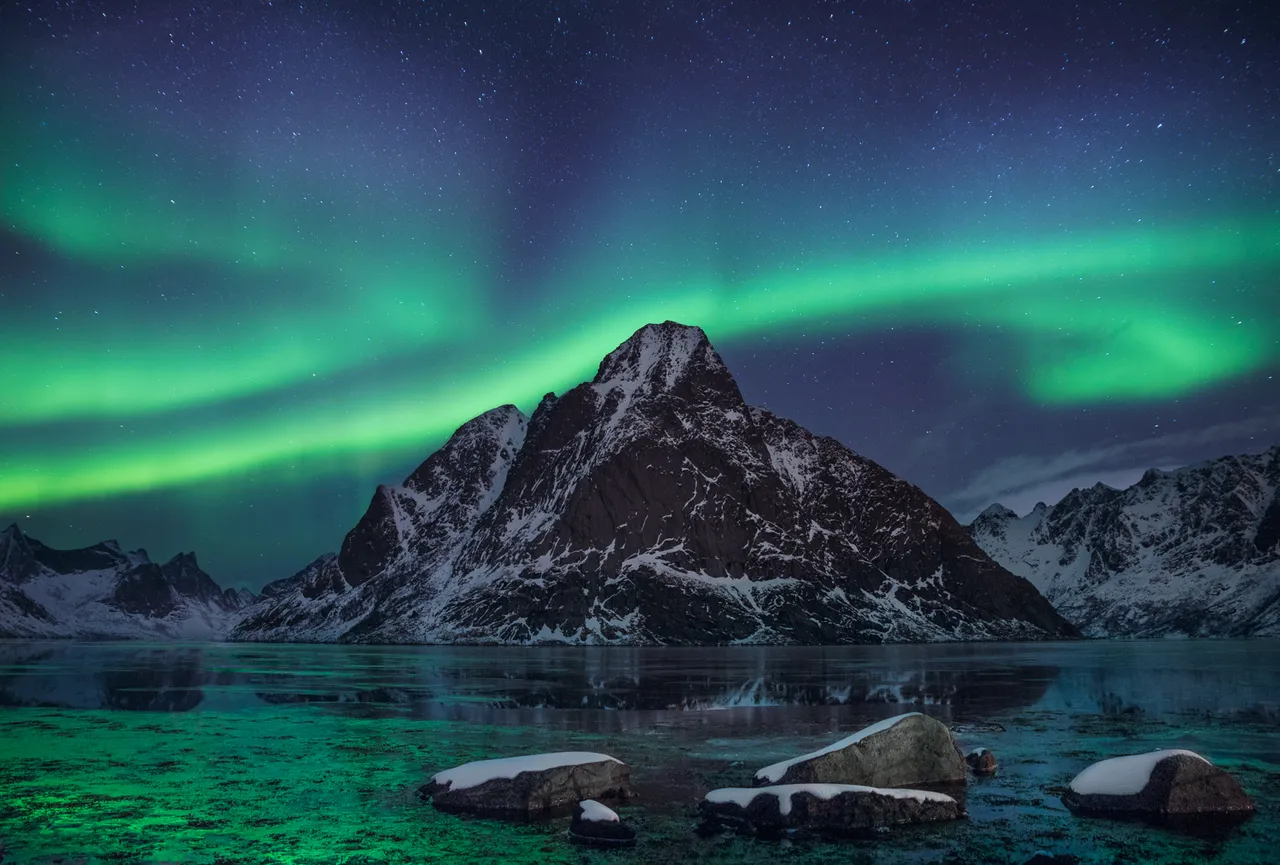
{"x": 127, "y": 752}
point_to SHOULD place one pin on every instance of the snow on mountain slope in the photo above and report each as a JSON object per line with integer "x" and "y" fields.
{"x": 1190, "y": 552}
{"x": 399, "y": 557}
{"x": 103, "y": 592}
{"x": 651, "y": 505}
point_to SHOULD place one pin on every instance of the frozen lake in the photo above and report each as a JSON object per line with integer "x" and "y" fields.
{"x": 128, "y": 752}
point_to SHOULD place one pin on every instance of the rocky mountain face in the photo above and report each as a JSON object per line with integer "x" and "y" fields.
{"x": 102, "y": 592}
{"x": 651, "y": 505}
{"x": 1191, "y": 552}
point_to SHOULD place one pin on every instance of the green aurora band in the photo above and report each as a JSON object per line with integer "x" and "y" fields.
{"x": 1130, "y": 315}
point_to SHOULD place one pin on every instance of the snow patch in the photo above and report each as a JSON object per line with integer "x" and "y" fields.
{"x": 777, "y": 770}
{"x": 744, "y": 796}
{"x": 473, "y": 774}
{"x": 1122, "y": 776}
{"x": 592, "y": 811}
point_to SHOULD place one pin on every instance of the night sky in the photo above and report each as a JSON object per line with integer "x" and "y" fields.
{"x": 256, "y": 258}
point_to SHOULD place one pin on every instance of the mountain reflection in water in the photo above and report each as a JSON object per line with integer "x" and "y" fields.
{"x": 511, "y": 684}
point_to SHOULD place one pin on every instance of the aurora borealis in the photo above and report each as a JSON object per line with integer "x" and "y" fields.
{"x": 258, "y": 259}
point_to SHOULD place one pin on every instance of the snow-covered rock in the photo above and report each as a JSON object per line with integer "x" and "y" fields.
{"x": 651, "y": 505}
{"x": 505, "y": 768}
{"x": 1192, "y": 552}
{"x": 591, "y": 811}
{"x": 103, "y": 592}
{"x": 825, "y": 807}
{"x": 896, "y": 752}
{"x": 529, "y": 786}
{"x": 1160, "y": 784}
{"x": 598, "y": 825}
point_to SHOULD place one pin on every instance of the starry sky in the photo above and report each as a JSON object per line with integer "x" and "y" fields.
{"x": 257, "y": 257}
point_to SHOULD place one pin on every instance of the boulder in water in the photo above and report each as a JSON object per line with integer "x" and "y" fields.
{"x": 1170, "y": 785}
{"x": 902, "y": 751}
{"x": 598, "y": 825}
{"x": 537, "y": 785}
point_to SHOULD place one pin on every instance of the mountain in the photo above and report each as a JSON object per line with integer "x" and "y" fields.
{"x": 1192, "y": 552}
{"x": 651, "y": 505}
{"x": 102, "y": 592}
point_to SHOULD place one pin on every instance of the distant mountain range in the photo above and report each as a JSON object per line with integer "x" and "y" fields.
{"x": 1192, "y": 552}
{"x": 102, "y": 592}
{"x": 651, "y": 505}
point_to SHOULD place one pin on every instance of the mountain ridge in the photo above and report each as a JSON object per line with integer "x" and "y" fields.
{"x": 1192, "y": 552}
{"x": 104, "y": 592}
{"x": 650, "y": 505}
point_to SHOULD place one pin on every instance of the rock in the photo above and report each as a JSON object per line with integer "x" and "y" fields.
{"x": 1161, "y": 785}
{"x": 824, "y": 807}
{"x": 597, "y": 825}
{"x": 1043, "y": 858}
{"x": 902, "y": 751}
{"x": 981, "y": 761}
{"x": 521, "y": 788}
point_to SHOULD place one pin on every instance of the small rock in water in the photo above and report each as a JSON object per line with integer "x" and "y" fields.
{"x": 1169, "y": 786}
{"x": 982, "y": 761}
{"x": 596, "y": 825}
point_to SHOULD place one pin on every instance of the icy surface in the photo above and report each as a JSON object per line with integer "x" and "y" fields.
{"x": 270, "y": 714}
{"x": 743, "y": 796}
{"x": 1122, "y": 776}
{"x": 595, "y": 812}
{"x": 474, "y": 774}
{"x": 777, "y": 770}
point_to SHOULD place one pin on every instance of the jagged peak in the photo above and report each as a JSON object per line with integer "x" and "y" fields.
{"x": 658, "y": 353}
{"x": 998, "y": 511}
{"x": 11, "y": 537}
{"x": 1151, "y": 476}
{"x": 1040, "y": 507}
{"x": 181, "y": 559}
{"x": 506, "y": 418}
{"x": 498, "y": 417}
{"x": 506, "y": 423}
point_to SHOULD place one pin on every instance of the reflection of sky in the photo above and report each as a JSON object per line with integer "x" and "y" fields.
{"x": 803, "y": 685}
{"x": 260, "y": 261}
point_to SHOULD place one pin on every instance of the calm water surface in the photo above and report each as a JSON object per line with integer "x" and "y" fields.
{"x": 128, "y": 752}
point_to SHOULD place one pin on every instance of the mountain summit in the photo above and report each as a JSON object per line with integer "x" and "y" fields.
{"x": 651, "y": 505}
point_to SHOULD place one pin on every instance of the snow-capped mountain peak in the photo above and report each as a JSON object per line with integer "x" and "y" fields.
{"x": 656, "y": 356}
{"x": 103, "y": 591}
{"x": 1195, "y": 551}
{"x": 651, "y": 505}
